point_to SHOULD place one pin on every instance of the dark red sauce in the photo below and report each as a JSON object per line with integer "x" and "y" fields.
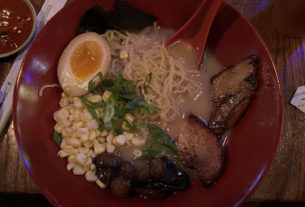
{"x": 16, "y": 23}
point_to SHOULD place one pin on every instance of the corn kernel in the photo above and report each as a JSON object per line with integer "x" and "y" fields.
{"x": 110, "y": 148}
{"x": 78, "y": 111}
{"x": 97, "y": 132}
{"x": 64, "y": 102}
{"x": 92, "y": 167}
{"x": 81, "y": 158}
{"x": 95, "y": 141}
{"x": 88, "y": 154}
{"x": 77, "y": 124}
{"x": 86, "y": 116}
{"x": 119, "y": 140}
{"x": 63, "y": 143}
{"x": 74, "y": 142}
{"x": 129, "y": 117}
{"x": 90, "y": 176}
{"x": 106, "y": 95}
{"x": 92, "y": 124}
{"x": 92, "y": 135}
{"x": 75, "y": 117}
{"x": 93, "y": 155}
{"x": 104, "y": 133}
{"x": 65, "y": 122}
{"x": 78, "y": 170}
{"x": 77, "y": 102}
{"x": 64, "y": 134}
{"x": 84, "y": 150}
{"x": 88, "y": 162}
{"x": 88, "y": 144}
{"x": 70, "y": 166}
{"x": 61, "y": 114}
{"x": 69, "y": 149}
{"x": 100, "y": 184}
{"x": 55, "y": 116}
{"x": 71, "y": 109}
{"x": 100, "y": 112}
{"x": 101, "y": 139}
{"x": 138, "y": 142}
{"x": 124, "y": 126}
{"x": 83, "y": 134}
{"x": 123, "y": 54}
{"x": 84, "y": 138}
{"x": 68, "y": 131}
{"x": 62, "y": 153}
{"x": 95, "y": 98}
{"x": 109, "y": 138}
{"x": 71, "y": 158}
{"x": 99, "y": 148}
{"x": 64, "y": 113}
{"x": 58, "y": 128}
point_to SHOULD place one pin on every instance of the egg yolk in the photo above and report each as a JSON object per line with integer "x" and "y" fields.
{"x": 86, "y": 59}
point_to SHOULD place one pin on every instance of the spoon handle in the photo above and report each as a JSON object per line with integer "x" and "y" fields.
{"x": 195, "y": 31}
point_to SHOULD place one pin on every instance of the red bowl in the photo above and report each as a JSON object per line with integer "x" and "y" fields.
{"x": 250, "y": 151}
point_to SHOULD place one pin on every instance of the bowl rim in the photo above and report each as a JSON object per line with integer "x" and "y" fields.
{"x": 33, "y": 12}
{"x": 241, "y": 199}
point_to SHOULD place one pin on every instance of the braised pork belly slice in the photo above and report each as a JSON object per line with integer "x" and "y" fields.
{"x": 199, "y": 148}
{"x": 232, "y": 91}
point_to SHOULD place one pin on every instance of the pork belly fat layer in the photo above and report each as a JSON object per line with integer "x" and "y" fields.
{"x": 199, "y": 148}
{"x": 234, "y": 78}
{"x": 232, "y": 92}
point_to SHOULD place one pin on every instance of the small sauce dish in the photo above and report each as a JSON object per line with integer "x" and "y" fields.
{"x": 17, "y": 25}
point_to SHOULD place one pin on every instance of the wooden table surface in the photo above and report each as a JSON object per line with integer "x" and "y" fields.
{"x": 285, "y": 181}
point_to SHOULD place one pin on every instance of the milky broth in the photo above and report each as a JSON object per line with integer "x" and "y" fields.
{"x": 201, "y": 105}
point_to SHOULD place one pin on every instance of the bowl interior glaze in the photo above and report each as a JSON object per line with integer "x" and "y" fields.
{"x": 251, "y": 148}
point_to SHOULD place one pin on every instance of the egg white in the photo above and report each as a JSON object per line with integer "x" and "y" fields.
{"x": 67, "y": 80}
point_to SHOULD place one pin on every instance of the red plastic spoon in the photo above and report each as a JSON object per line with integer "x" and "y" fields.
{"x": 195, "y": 31}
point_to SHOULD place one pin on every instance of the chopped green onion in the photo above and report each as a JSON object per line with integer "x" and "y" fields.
{"x": 91, "y": 110}
{"x": 93, "y": 104}
{"x": 133, "y": 104}
{"x": 131, "y": 128}
{"x": 148, "y": 153}
{"x": 147, "y": 80}
{"x": 92, "y": 83}
{"x": 147, "y": 107}
{"x": 107, "y": 84}
{"x": 123, "y": 100}
{"x": 57, "y": 138}
{"x": 109, "y": 113}
{"x": 108, "y": 125}
{"x": 160, "y": 137}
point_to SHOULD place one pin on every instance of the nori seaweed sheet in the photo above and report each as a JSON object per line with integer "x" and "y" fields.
{"x": 124, "y": 17}
{"x": 94, "y": 20}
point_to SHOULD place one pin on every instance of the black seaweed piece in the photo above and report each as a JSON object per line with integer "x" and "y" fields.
{"x": 94, "y": 20}
{"x": 175, "y": 178}
{"x": 123, "y": 17}
{"x": 127, "y": 17}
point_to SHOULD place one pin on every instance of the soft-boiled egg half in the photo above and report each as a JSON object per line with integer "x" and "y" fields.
{"x": 84, "y": 57}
